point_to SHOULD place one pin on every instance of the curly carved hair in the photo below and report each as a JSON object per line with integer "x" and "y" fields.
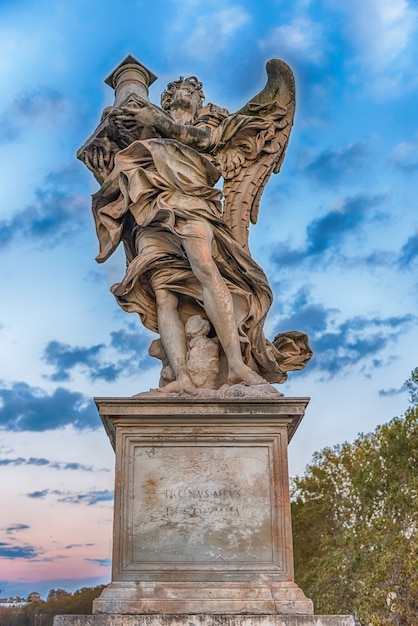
{"x": 172, "y": 87}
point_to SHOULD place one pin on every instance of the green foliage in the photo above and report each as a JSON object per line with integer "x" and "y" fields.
{"x": 355, "y": 524}
{"x": 59, "y": 602}
{"x": 412, "y": 385}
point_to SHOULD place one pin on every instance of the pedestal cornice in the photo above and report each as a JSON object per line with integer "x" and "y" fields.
{"x": 194, "y": 412}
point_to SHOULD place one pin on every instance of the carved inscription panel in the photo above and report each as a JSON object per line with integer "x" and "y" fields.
{"x": 205, "y": 503}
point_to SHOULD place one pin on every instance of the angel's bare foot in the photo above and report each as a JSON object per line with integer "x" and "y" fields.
{"x": 244, "y": 374}
{"x": 183, "y": 384}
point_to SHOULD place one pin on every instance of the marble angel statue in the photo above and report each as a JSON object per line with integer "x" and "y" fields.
{"x": 186, "y": 240}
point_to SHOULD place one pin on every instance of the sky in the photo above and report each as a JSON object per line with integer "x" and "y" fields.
{"x": 337, "y": 237}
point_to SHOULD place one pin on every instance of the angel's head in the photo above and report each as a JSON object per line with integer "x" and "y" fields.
{"x": 183, "y": 99}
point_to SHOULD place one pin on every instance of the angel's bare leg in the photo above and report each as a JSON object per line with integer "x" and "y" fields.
{"x": 217, "y": 300}
{"x": 173, "y": 338}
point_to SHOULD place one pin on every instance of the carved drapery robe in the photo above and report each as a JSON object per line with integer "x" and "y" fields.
{"x": 158, "y": 186}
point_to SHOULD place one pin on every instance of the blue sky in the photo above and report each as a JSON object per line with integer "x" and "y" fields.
{"x": 337, "y": 237}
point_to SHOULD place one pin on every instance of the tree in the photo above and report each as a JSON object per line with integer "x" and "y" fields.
{"x": 59, "y": 602}
{"x": 355, "y": 521}
{"x": 412, "y": 385}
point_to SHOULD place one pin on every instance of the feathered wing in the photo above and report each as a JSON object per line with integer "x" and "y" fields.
{"x": 255, "y": 141}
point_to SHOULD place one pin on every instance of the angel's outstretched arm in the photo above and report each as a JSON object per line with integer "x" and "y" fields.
{"x": 129, "y": 116}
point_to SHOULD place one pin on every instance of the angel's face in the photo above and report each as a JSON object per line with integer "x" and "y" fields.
{"x": 185, "y": 98}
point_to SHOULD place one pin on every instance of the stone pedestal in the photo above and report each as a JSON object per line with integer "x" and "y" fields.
{"x": 202, "y": 507}
{"x": 202, "y": 528}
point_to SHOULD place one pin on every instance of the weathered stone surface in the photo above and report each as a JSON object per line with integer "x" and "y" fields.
{"x": 205, "y": 620}
{"x": 238, "y": 391}
{"x": 202, "y": 507}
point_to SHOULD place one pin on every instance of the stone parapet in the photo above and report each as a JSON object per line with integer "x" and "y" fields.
{"x": 205, "y": 620}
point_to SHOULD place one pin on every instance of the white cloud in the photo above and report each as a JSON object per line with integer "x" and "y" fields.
{"x": 405, "y": 155}
{"x": 213, "y": 32}
{"x": 383, "y": 34}
{"x": 301, "y": 39}
{"x": 383, "y": 29}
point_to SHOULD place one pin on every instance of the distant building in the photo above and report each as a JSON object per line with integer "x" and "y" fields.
{"x": 17, "y": 602}
{"x": 34, "y": 596}
{"x": 14, "y": 604}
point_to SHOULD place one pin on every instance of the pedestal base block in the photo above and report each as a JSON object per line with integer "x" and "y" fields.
{"x": 193, "y": 598}
{"x": 200, "y": 619}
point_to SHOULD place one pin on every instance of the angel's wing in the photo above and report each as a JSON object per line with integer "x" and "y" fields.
{"x": 255, "y": 147}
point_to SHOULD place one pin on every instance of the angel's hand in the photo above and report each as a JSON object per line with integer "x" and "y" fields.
{"x": 132, "y": 115}
{"x": 99, "y": 159}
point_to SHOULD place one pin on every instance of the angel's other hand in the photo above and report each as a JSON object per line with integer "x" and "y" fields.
{"x": 98, "y": 160}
